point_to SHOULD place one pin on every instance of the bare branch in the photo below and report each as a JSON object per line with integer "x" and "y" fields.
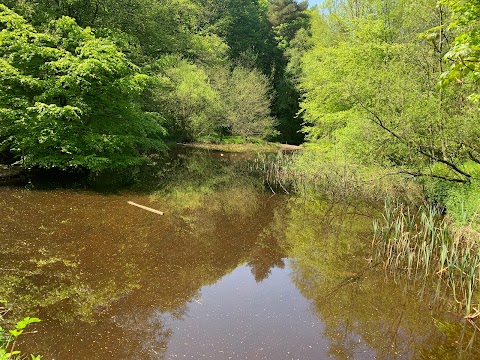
{"x": 473, "y": 158}
{"x": 419, "y": 174}
{"x": 378, "y": 120}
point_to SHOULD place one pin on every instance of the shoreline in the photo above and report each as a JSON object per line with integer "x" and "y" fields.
{"x": 244, "y": 148}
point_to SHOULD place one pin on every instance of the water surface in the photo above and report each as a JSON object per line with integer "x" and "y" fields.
{"x": 231, "y": 271}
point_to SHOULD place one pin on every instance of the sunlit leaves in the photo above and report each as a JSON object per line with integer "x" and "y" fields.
{"x": 370, "y": 91}
{"x": 188, "y": 100}
{"x": 8, "y": 339}
{"x": 464, "y": 55}
{"x": 71, "y": 99}
{"x": 248, "y": 99}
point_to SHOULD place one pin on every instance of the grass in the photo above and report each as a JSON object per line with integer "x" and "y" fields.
{"x": 278, "y": 171}
{"x": 302, "y": 170}
{"x": 424, "y": 243}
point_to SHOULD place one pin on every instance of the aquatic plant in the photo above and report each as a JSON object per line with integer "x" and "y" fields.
{"x": 303, "y": 171}
{"x": 425, "y": 243}
{"x": 8, "y": 338}
{"x": 277, "y": 171}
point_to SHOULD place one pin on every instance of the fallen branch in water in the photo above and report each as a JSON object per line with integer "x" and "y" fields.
{"x": 145, "y": 208}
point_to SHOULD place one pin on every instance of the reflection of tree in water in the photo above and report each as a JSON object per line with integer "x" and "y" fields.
{"x": 265, "y": 256}
{"x": 148, "y": 330}
{"x": 365, "y": 315}
{"x": 345, "y": 344}
{"x": 263, "y": 260}
{"x": 203, "y": 190}
{"x": 103, "y": 275}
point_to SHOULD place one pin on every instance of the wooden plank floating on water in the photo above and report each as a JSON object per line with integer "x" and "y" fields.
{"x": 145, "y": 208}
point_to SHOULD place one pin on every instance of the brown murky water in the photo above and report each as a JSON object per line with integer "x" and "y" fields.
{"x": 231, "y": 271}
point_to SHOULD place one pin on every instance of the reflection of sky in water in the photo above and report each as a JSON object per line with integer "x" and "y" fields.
{"x": 238, "y": 318}
{"x": 113, "y": 273}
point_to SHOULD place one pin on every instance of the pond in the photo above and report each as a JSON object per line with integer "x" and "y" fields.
{"x": 232, "y": 270}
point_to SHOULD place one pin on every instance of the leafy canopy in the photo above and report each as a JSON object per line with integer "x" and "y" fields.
{"x": 464, "y": 55}
{"x": 368, "y": 98}
{"x": 69, "y": 99}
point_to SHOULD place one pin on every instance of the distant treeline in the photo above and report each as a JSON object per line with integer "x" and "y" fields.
{"x": 96, "y": 84}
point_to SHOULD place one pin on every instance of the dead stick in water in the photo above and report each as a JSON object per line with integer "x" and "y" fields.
{"x": 145, "y": 208}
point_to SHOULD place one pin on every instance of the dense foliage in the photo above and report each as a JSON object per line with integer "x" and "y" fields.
{"x": 464, "y": 56}
{"x": 68, "y": 98}
{"x": 95, "y": 85}
{"x": 389, "y": 85}
{"x": 376, "y": 86}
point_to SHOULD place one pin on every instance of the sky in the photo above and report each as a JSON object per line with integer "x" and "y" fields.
{"x": 314, "y": 2}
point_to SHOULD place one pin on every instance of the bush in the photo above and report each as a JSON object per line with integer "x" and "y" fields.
{"x": 463, "y": 204}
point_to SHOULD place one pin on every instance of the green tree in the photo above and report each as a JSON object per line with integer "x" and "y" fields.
{"x": 287, "y": 17}
{"x": 464, "y": 55}
{"x": 69, "y": 99}
{"x": 189, "y": 102}
{"x": 146, "y": 30}
{"x": 247, "y": 31}
{"x": 248, "y": 100}
{"x": 207, "y": 34}
{"x": 368, "y": 98}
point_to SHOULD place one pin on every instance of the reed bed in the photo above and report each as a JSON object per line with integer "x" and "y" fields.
{"x": 424, "y": 243}
{"x": 281, "y": 171}
{"x": 278, "y": 171}
{"x": 297, "y": 172}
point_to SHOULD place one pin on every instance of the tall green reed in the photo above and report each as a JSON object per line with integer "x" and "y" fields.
{"x": 425, "y": 243}
{"x": 278, "y": 171}
{"x": 285, "y": 172}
